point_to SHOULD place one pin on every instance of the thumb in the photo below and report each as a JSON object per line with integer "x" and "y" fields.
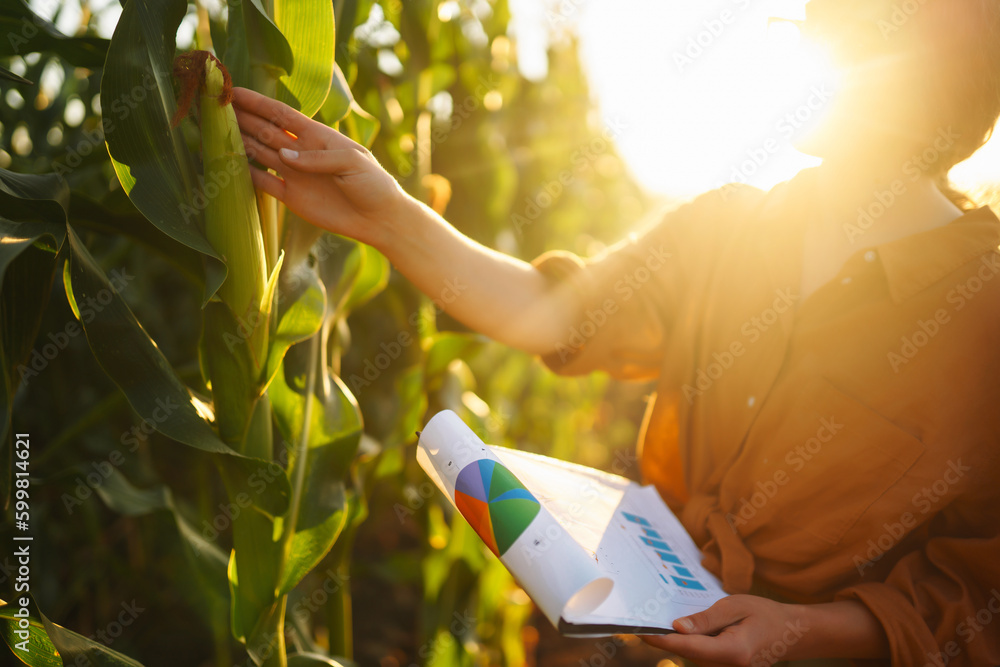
{"x": 711, "y": 621}
{"x": 337, "y": 161}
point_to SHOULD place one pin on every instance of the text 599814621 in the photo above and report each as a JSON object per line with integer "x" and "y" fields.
{"x": 22, "y": 546}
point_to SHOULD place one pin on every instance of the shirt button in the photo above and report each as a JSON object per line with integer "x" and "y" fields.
{"x": 751, "y": 401}
{"x": 870, "y": 256}
{"x": 846, "y": 281}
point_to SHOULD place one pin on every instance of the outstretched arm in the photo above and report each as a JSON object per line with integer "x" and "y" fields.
{"x": 337, "y": 184}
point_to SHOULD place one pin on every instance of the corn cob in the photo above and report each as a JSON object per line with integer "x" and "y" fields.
{"x": 232, "y": 222}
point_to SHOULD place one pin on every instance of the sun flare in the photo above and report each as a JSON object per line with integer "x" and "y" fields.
{"x": 704, "y": 94}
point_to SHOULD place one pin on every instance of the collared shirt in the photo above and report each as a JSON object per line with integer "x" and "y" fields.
{"x": 842, "y": 446}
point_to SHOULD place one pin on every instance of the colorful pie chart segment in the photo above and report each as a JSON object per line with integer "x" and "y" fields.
{"x": 495, "y": 504}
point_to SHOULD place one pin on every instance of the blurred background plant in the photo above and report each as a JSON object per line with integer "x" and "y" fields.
{"x": 521, "y": 165}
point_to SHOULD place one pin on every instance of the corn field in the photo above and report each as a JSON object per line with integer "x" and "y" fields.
{"x": 209, "y": 405}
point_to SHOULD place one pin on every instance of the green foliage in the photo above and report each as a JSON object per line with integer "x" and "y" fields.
{"x": 302, "y": 535}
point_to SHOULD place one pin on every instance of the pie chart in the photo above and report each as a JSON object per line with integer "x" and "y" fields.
{"x": 495, "y": 503}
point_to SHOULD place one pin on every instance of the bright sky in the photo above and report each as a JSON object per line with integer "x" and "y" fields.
{"x": 704, "y": 89}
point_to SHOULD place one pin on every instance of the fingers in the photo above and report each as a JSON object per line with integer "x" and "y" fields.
{"x": 268, "y": 182}
{"x": 264, "y": 131}
{"x": 727, "y": 648}
{"x": 720, "y": 615}
{"x": 261, "y": 153}
{"x": 341, "y": 161}
{"x": 278, "y": 113}
{"x": 271, "y": 122}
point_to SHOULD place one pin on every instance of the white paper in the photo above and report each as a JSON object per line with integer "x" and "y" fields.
{"x": 603, "y": 554}
{"x": 551, "y": 567}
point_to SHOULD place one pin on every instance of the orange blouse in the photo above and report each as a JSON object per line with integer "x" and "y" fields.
{"x": 844, "y": 446}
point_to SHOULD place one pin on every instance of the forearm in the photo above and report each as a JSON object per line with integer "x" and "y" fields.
{"x": 495, "y": 294}
{"x": 843, "y": 629}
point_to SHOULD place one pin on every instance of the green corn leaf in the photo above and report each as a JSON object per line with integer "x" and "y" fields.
{"x": 132, "y": 360}
{"x": 256, "y": 52}
{"x": 34, "y": 198}
{"x": 356, "y": 277}
{"x": 76, "y": 649}
{"x": 32, "y": 234}
{"x": 7, "y": 75}
{"x": 253, "y": 574}
{"x": 226, "y": 355}
{"x": 309, "y": 28}
{"x": 299, "y": 320}
{"x": 338, "y": 102}
{"x": 152, "y": 161}
{"x": 317, "y": 414}
{"x": 360, "y": 125}
{"x": 117, "y": 215}
{"x": 52, "y": 645}
{"x": 41, "y": 652}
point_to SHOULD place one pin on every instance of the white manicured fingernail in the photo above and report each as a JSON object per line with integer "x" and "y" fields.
{"x": 289, "y": 153}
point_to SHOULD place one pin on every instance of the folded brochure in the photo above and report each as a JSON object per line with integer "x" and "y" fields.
{"x": 599, "y": 554}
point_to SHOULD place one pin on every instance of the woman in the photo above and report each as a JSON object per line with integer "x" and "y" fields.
{"x": 825, "y": 421}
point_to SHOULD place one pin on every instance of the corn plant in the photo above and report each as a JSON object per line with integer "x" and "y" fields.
{"x": 278, "y": 425}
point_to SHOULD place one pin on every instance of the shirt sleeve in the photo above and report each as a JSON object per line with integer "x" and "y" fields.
{"x": 632, "y": 292}
{"x": 941, "y": 604}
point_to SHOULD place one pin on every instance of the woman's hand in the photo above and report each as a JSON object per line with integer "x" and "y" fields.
{"x": 756, "y": 631}
{"x": 323, "y": 176}
{"x": 737, "y": 630}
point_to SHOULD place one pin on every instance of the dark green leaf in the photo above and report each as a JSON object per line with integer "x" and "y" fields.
{"x": 52, "y": 645}
{"x": 7, "y": 75}
{"x": 152, "y": 161}
{"x": 253, "y": 572}
{"x": 318, "y": 416}
{"x": 28, "y": 260}
{"x": 132, "y": 360}
{"x": 256, "y": 52}
{"x": 78, "y": 650}
{"x": 355, "y": 279}
{"x": 34, "y": 197}
{"x": 299, "y": 320}
{"x": 117, "y": 215}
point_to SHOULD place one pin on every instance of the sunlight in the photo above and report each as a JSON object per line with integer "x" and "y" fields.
{"x": 710, "y": 93}
{"x": 704, "y": 93}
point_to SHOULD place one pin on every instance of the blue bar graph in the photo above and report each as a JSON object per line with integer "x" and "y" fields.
{"x": 636, "y": 519}
{"x": 670, "y": 558}
{"x": 688, "y": 583}
{"x": 656, "y": 544}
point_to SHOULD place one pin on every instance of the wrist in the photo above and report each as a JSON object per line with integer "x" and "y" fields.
{"x": 404, "y": 229}
{"x": 842, "y": 629}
